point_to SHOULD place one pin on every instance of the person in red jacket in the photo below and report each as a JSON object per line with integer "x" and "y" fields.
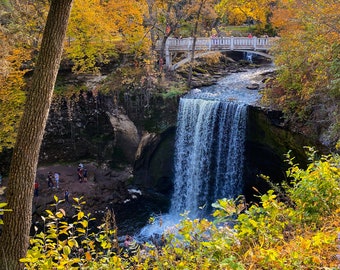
{"x": 36, "y": 189}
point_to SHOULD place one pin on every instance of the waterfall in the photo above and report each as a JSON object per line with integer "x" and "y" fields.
{"x": 208, "y": 155}
{"x": 209, "y": 148}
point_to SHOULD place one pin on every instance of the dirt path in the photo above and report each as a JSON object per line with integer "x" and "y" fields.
{"x": 102, "y": 187}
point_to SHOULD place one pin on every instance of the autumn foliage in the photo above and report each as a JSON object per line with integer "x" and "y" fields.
{"x": 100, "y": 30}
{"x": 246, "y": 11}
{"x": 307, "y": 55}
{"x": 294, "y": 226}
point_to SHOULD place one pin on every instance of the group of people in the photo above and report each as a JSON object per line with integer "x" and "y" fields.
{"x": 52, "y": 182}
{"x": 53, "y": 179}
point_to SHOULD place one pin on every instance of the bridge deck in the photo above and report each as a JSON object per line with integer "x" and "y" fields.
{"x": 218, "y": 44}
{"x": 202, "y": 45}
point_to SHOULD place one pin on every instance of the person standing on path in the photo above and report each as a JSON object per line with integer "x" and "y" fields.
{"x": 67, "y": 194}
{"x": 49, "y": 180}
{"x": 80, "y": 172}
{"x": 36, "y": 189}
{"x": 85, "y": 174}
{"x": 56, "y": 179}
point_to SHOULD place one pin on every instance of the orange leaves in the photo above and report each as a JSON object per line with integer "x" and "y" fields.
{"x": 282, "y": 17}
{"x": 306, "y": 52}
{"x": 19, "y": 37}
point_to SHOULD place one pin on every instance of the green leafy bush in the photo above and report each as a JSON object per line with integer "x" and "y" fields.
{"x": 64, "y": 245}
{"x": 316, "y": 190}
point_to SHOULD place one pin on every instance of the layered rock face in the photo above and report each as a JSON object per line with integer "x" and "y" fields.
{"x": 89, "y": 127}
{"x": 92, "y": 127}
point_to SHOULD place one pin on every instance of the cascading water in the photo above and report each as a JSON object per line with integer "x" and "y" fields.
{"x": 209, "y": 154}
{"x": 210, "y": 137}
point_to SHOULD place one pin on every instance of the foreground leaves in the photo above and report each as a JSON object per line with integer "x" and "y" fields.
{"x": 292, "y": 228}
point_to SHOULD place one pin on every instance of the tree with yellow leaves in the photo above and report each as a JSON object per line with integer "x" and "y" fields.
{"x": 14, "y": 237}
{"x": 245, "y": 11}
{"x": 20, "y": 31}
{"x": 98, "y": 30}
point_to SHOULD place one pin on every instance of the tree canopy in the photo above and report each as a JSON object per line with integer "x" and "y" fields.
{"x": 246, "y": 11}
{"x": 307, "y": 55}
{"x": 99, "y": 30}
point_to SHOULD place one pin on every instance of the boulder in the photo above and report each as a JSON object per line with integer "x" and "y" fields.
{"x": 253, "y": 86}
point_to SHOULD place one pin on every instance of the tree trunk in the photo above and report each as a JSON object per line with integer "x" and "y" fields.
{"x": 192, "y": 55}
{"x": 15, "y": 235}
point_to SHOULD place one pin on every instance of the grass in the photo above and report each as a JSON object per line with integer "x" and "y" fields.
{"x": 238, "y": 30}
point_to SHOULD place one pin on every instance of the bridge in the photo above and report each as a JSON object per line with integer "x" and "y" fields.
{"x": 205, "y": 46}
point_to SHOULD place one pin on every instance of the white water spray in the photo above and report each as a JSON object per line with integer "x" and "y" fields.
{"x": 208, "y": 155}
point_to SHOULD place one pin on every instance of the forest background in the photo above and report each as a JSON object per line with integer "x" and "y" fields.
{"x": 100, "y": 32}
{"x": 306, "y": 87}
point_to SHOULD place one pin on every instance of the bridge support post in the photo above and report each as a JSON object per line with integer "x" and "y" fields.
{"x": 254, "y": 43}
{"x": 168, "y": 60}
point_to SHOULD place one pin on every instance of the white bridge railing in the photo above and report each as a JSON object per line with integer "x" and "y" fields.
{"x": 218, "y": 44}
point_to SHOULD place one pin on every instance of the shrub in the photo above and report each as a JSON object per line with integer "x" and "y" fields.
{"x": 316, "y": 190}
{"x": 64, "y": 245}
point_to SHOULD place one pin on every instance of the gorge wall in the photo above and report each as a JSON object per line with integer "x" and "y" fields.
{"x": 117, "y": 130}
{"x": 105, "y": 128}
{"x": 137, "y": 128}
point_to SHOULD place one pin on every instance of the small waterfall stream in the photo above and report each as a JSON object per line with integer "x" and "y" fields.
{"x": 209, "y": 154}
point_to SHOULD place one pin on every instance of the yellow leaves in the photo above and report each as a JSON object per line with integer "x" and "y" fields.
{"x": 2, "y": 210}
{"x": 12, "y": 97}
{"x": 305, "y": 50}
{"x": 96, "y": 28}
{"x": 59, "y": 215}
{"x": 66, "y": 250}
{"x": 49, "y": 212}
{"x": 238, "y": 12}
{"x": 80, "y": 215}
{"x": 253, "y": 223}
{"x": 306, "y": 248}
{"x": 84, "y": 223}
{"x": 81, "y": 230}
{"x": 105, "y": 245}
{"x": 72, "y": 243}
